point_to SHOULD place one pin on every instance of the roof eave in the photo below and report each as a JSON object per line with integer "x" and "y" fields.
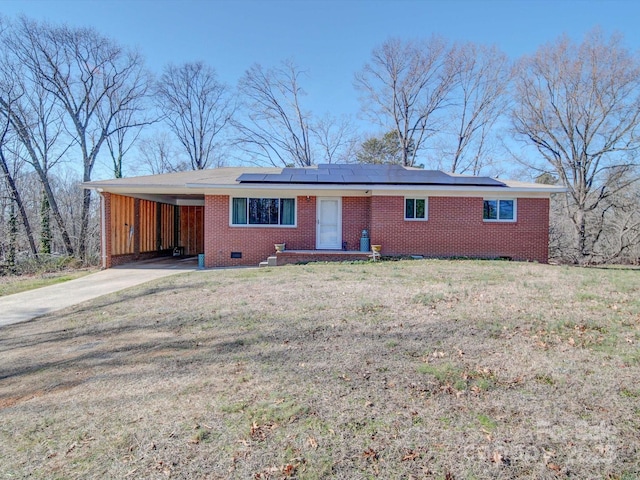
{"x": 203, "y": 188}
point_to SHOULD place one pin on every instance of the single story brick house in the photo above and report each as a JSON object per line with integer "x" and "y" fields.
{"x": 235, "y": 216}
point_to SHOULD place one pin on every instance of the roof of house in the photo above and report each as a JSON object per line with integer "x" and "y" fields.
{"x": 366, "y": 174}
{"x": 349, "y": 179}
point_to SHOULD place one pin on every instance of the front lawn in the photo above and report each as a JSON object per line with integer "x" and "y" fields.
{"x": 391, "y": 370}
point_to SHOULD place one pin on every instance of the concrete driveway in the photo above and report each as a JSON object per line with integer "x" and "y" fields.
{"x": 23, "y": 306}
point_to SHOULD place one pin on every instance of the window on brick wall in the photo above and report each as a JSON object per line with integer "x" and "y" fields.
{"x": 263, "y": 211}
{"x": 499, "y": 210}
{"x": 416, "y": 209}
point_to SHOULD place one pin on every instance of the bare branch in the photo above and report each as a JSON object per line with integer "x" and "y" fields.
{"x": 197, "y": 107}
{"x": 579, "y": 106}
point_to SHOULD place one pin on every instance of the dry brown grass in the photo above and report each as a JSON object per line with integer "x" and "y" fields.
{"x": 423, "y": 369}
{"x": 10, "y": 284}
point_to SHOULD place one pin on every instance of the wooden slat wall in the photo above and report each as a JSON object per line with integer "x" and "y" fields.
{"x": 167, "y": 213}
{"x": 122, "y": 221}
{"x": 148, "y": 224}
{"x": 192, "y": 229}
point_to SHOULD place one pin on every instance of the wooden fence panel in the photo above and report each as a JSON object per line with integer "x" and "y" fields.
{"x": 167, "y": 215}
{"x": 122, "y": 224}
{"x": 148, "y": 222}
{"x": 192, "y": 229}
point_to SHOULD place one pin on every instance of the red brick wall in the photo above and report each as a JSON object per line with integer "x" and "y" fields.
{"x": 255, "y": 243}
{"x": 288, "y": 258}
{"x": 356, "y": 216}
{"x": 455, "y": 228}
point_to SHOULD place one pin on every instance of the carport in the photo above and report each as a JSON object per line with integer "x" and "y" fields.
{"x": 140, "y": 227}
{"x": 160, "y": 215}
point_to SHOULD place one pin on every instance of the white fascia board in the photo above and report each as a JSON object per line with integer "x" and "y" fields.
{"x": 379, "y": 190}
{"x": 465, "y": 191}
{"x": 142, "y": 189}
{"x": 164, "y": 198}
{"x": 493, "y": 192}
{"x": 327, "y": 190}
{"x": 280, "y": 190}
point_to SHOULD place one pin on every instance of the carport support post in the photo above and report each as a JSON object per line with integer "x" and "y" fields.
{"x": 176, "y": 226}
{"x": 159, "y": 240}
{"x": 136, "y": 227}
{"x": 105, "y": 229}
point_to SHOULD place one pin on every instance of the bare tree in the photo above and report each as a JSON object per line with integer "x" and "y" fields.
{"x": 276, "y": 129}
{"x": 404, "y": 86}
{"x": 36, "y": 121}
{"x": 128, "y": 121}
{"x": 336, "y": 139}
{"x": 159, "y": 155}
{"x": 480, "y": 98}
{"x": 196, "y": 107}
{"x": 578, "y": 105}
{"x": 92, "y": 79}
{"x": 14, "y": 193}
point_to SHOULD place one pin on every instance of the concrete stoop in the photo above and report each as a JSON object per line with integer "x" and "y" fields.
{"x": 271, "y": 262}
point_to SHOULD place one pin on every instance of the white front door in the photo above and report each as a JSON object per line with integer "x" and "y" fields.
{"x": 329, "y": 223}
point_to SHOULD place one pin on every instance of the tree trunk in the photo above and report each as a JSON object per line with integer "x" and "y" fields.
{"x": 84, "y": 225}
{"x": 17, "y": 200}
{"x": 581, "y": 230}
{"x": 45, "y": 225}
{"x": 55, "y": 211}
{"x": 13, "y": 234}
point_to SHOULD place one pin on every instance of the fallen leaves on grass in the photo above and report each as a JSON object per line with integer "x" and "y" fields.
{"x": 370, "y": 454}
{"x": 500, "y": 459}
{"x": 260, "y": 432}
{"x": 288, "y": 470}
{"x": 410, "y": 455}
{"x": 555, "y": 467}
{"x": 312, "y": 442}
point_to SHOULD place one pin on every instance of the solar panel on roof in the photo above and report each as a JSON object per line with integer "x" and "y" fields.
{"x": 307, "y": 178}
{"x": 351, "y": 174}
{"x": 335, "y": 165}
{"x": 353, "y": 179}
{"x": 252, "y": 177}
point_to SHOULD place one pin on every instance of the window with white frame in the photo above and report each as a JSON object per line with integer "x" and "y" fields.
{"x": 499, "y": 210}
{"x": 263, "y": 211}
{"x": 415, "y": 209}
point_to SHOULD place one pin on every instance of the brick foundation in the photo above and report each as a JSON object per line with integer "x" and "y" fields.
{"x": 289, "y": 258}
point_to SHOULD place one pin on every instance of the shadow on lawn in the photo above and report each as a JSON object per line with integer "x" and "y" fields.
{"x": 104, "y": 350}
{"x": 17, "y": 336}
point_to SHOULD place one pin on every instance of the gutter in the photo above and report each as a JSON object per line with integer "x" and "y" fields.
{"x": 203, "y": 188}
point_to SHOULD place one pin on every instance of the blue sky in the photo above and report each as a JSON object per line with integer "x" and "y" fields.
{"x": 329, "y": 39}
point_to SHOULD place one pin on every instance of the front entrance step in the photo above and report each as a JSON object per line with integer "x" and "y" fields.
{"x": 271, "y": 262}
